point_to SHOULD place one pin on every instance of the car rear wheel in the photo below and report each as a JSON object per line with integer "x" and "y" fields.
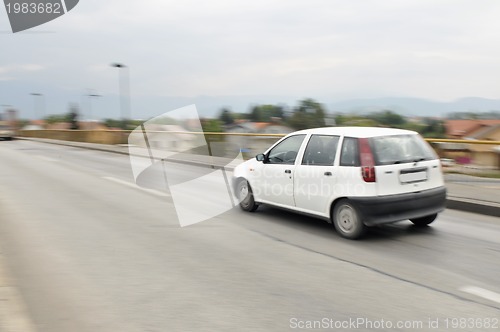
{"x": 424, "y": 221}
{"x": 347, "y": 220}
{"x": 245, "y": 196}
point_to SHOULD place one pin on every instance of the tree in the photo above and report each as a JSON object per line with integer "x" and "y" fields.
{"x": 226, "y": 117}
{"x": 129, "y": 124}
{"x": 112, "y": 123}
{"x": 354, "y": 120}
{"x": 211, "y": 125}
{"x": 56, "y": 118}
{"x": 388, "y": 118}
{"x": 308, "y": 114}
{"x": 241, "y": 116}
{"x": 256, "y": 114}
{"x": 433, "y": 128}
{"x": 265, "y": 113}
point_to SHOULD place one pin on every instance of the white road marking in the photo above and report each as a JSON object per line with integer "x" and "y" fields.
{"x": 481, "y": 292}
{"x": 133, "y": 185}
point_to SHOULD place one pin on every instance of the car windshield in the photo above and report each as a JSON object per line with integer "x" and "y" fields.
{"x": 400, "y": 149}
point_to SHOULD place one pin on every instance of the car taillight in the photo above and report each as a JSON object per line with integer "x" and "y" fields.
{"x": 367, "y": 160}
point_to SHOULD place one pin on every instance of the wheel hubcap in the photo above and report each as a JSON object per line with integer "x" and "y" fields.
{"x": 244, "y": 194}
{"x": 347, "y": 219}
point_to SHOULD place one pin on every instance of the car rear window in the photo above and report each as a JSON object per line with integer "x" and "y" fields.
{"x": 399, "y": 149}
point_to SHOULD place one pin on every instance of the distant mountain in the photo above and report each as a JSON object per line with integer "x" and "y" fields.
{"x": 210, "y": 106}
{"x": 415, "y": 106}
{"x": 56, "y": 100}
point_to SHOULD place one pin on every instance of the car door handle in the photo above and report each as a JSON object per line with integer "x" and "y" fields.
{"x": 287, "y": 171}
{"x": 328, "y": 173}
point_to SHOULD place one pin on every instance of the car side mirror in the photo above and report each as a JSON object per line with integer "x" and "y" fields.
{"x": 260, "y": 157}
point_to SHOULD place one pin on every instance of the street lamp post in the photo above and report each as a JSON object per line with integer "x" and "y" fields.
{"x": 35, "y": 95}
{"x": 124, "y": 86}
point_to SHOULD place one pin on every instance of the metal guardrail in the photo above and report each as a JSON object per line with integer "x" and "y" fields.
{"x": 48, "y": 131}
{"x": 461, "y": 141}
{"x": 479, "y": 155}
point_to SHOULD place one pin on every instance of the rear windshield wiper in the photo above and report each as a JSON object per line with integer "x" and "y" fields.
{"x": 409, "y": 161}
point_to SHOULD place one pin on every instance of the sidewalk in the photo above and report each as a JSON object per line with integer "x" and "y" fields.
{"x": 474, "y": 196}
{"x": 468, "y": 193}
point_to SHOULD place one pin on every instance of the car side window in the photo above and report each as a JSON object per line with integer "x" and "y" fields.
{"x": 286, "y": 151}
{"x": 350, "y": 152}
{"x": 321, "y": 150}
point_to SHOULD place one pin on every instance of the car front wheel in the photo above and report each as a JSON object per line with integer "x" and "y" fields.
{"x": 347, "y": 220}
{"x": 245, "y": 196}
{"x": 424, "y": 221}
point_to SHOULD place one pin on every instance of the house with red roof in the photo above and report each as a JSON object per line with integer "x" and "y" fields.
{"x": 482, "y": 155}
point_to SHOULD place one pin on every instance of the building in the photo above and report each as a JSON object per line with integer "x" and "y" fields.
{"x": 482, "y": 155}
{"x": 486, "y": 155}
{"x": 460, "y": 129}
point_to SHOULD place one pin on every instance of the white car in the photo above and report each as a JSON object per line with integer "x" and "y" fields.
{"x": 353, "y": 177}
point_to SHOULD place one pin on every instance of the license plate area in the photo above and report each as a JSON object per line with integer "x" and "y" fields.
{"x": 413, "y": 175}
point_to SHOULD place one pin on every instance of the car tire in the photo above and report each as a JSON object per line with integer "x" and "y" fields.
{"x": 347, "y": 220}
{"x": 424, "y": 221}
{"x": 245, "y": 196}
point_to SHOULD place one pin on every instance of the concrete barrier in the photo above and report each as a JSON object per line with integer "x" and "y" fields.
{"x": 110, "y": 137}
{"x": 483, "y": 153}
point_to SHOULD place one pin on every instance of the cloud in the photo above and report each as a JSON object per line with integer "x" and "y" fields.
{"x": 422, "y": 48}
{"x": 13, "y": 71}
{"x": 30, "y": 67}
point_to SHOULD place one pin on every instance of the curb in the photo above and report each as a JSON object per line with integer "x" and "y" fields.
{"x": 72, "y": 144}
{"x": 126, "y": 153}
{"x": 467, "y": 205}
{"x": 453, "y": 203}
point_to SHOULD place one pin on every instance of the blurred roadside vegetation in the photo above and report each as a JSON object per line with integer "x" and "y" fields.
{"x": 126, "y": 124}
{"x": 427, "y": 127}
{"x": 307, "y": 113}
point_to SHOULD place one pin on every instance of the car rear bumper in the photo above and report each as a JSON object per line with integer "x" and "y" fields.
{"x": 392, "y": 208}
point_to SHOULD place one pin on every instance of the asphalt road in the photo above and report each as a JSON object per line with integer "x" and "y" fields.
{"x": 88, "y": 250}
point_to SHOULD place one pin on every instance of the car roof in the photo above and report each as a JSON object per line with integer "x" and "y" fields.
{"x": 356, "y": 131}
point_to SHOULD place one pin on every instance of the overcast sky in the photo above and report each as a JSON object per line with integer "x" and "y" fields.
{"x": 434, "y": 49}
